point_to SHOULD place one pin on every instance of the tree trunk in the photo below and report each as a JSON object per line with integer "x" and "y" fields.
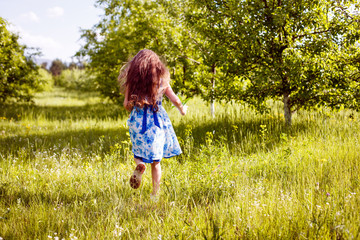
{"x": 287, "y": 109}
{"x": 212, "y": 101}
{"x": 212, "y": 108}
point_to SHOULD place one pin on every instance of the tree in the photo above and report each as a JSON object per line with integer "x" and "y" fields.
{"x": 129, "y": 26}
{"x": 46, "y": 80}
{"x": 72, "y": 66}
{"x": 43, "y": 65}
{"x": 18, "y": 73}
{"x": 280, "y": 49}
{"x": 344, "y": 79}
{"x": 57, "y": 66}
{"x": 76, "y": 79}
{"x": 211, "y": 55}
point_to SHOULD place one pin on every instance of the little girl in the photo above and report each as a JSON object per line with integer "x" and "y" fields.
{"x": 145, "y": 79}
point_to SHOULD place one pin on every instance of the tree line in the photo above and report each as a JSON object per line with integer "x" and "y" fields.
{"x": 21, "y": 77}
{"x": 304, "y": 53}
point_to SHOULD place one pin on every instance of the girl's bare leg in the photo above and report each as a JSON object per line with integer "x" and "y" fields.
{"x": 137, "y": 161}
{"x": 156, "y": 176}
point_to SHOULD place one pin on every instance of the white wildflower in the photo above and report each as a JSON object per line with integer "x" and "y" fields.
{"x": 72, "y": 236}
{"x": 117, "y": 231}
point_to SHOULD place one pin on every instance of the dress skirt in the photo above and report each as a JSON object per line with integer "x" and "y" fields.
{"x": 152, "y": 134}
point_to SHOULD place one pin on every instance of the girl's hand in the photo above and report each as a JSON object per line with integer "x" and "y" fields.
{"x": 176, "y": 101}
{"x": 183, "y": 109}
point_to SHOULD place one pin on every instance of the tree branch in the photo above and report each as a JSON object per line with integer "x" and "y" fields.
{"x": 265, "y": 2}
{"x": 344, "y": 11}
{"x": 316, "y": 32}
{"x": 184, "y": 56}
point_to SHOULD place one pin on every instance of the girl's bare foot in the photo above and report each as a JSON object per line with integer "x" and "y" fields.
{"x": 135, "y": 179}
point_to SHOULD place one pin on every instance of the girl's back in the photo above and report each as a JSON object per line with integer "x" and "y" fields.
{"x": 146, "y": 79}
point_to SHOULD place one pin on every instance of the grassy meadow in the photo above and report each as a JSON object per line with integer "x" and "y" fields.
{"x": 65, "y": 164}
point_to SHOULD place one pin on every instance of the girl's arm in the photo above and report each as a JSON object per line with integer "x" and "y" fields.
{"x": 175, "y": 100}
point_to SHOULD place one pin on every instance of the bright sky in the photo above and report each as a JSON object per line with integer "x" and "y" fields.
{"x": 53, "y": 26}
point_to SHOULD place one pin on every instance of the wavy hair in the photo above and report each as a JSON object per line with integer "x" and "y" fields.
{"x": 143, "y": 77}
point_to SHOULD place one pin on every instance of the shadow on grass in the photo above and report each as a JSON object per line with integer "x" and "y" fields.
{"x": 247, "y": 136}
{"x": 89, "y": 111}
{"x": 238, "y": 136}
{"x": 85, "y": 143}
{"x": 60, "y": 195}
{"x": 236, "y": 133}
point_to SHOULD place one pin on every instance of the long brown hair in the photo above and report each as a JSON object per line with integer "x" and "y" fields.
{"x": 143, "y": 77}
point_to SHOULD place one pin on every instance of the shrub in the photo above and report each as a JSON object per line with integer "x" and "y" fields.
{"x": 46, "y": 82}
{"x": 18, "y": 73}
{"x": 76, "y": 79}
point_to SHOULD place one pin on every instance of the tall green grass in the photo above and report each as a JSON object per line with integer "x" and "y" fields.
{"x": 65, "y": 162}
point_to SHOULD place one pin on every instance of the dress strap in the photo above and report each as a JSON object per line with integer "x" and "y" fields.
{"x": 156, "y": 120}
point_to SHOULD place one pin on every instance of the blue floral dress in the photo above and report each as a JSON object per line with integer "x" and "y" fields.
{"x": 152, "y": 134}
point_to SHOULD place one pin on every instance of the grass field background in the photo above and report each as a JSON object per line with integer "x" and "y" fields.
{"x": 65, "y": 163}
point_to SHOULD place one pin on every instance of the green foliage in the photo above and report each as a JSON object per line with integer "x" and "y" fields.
{"x": 281, "y": 50}
{"x": 65, "y": 164}
{"x": 57, "y": 66}
{"x": 129, "y": 26}
{"x": 46, "y": 81}
{"x": 18, "y": 73}
{"x": 304, "y": 53}
{"x": 344, "y": 78}
{"x": 76, "y": 79}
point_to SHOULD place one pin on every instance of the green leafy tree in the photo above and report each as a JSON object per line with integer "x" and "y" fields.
{"x": 18, "y": 73}
{"x": 129, "y": 26}
{"x": 57, "y": 66}
{"x": 184, "y": 58}
{"x": 210, "y": 53}
{"x": 285, "y": 50}
{"x": 72, "y": 66}
{"x": 46, "y": 81}
{"x": 77, "y": 79}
